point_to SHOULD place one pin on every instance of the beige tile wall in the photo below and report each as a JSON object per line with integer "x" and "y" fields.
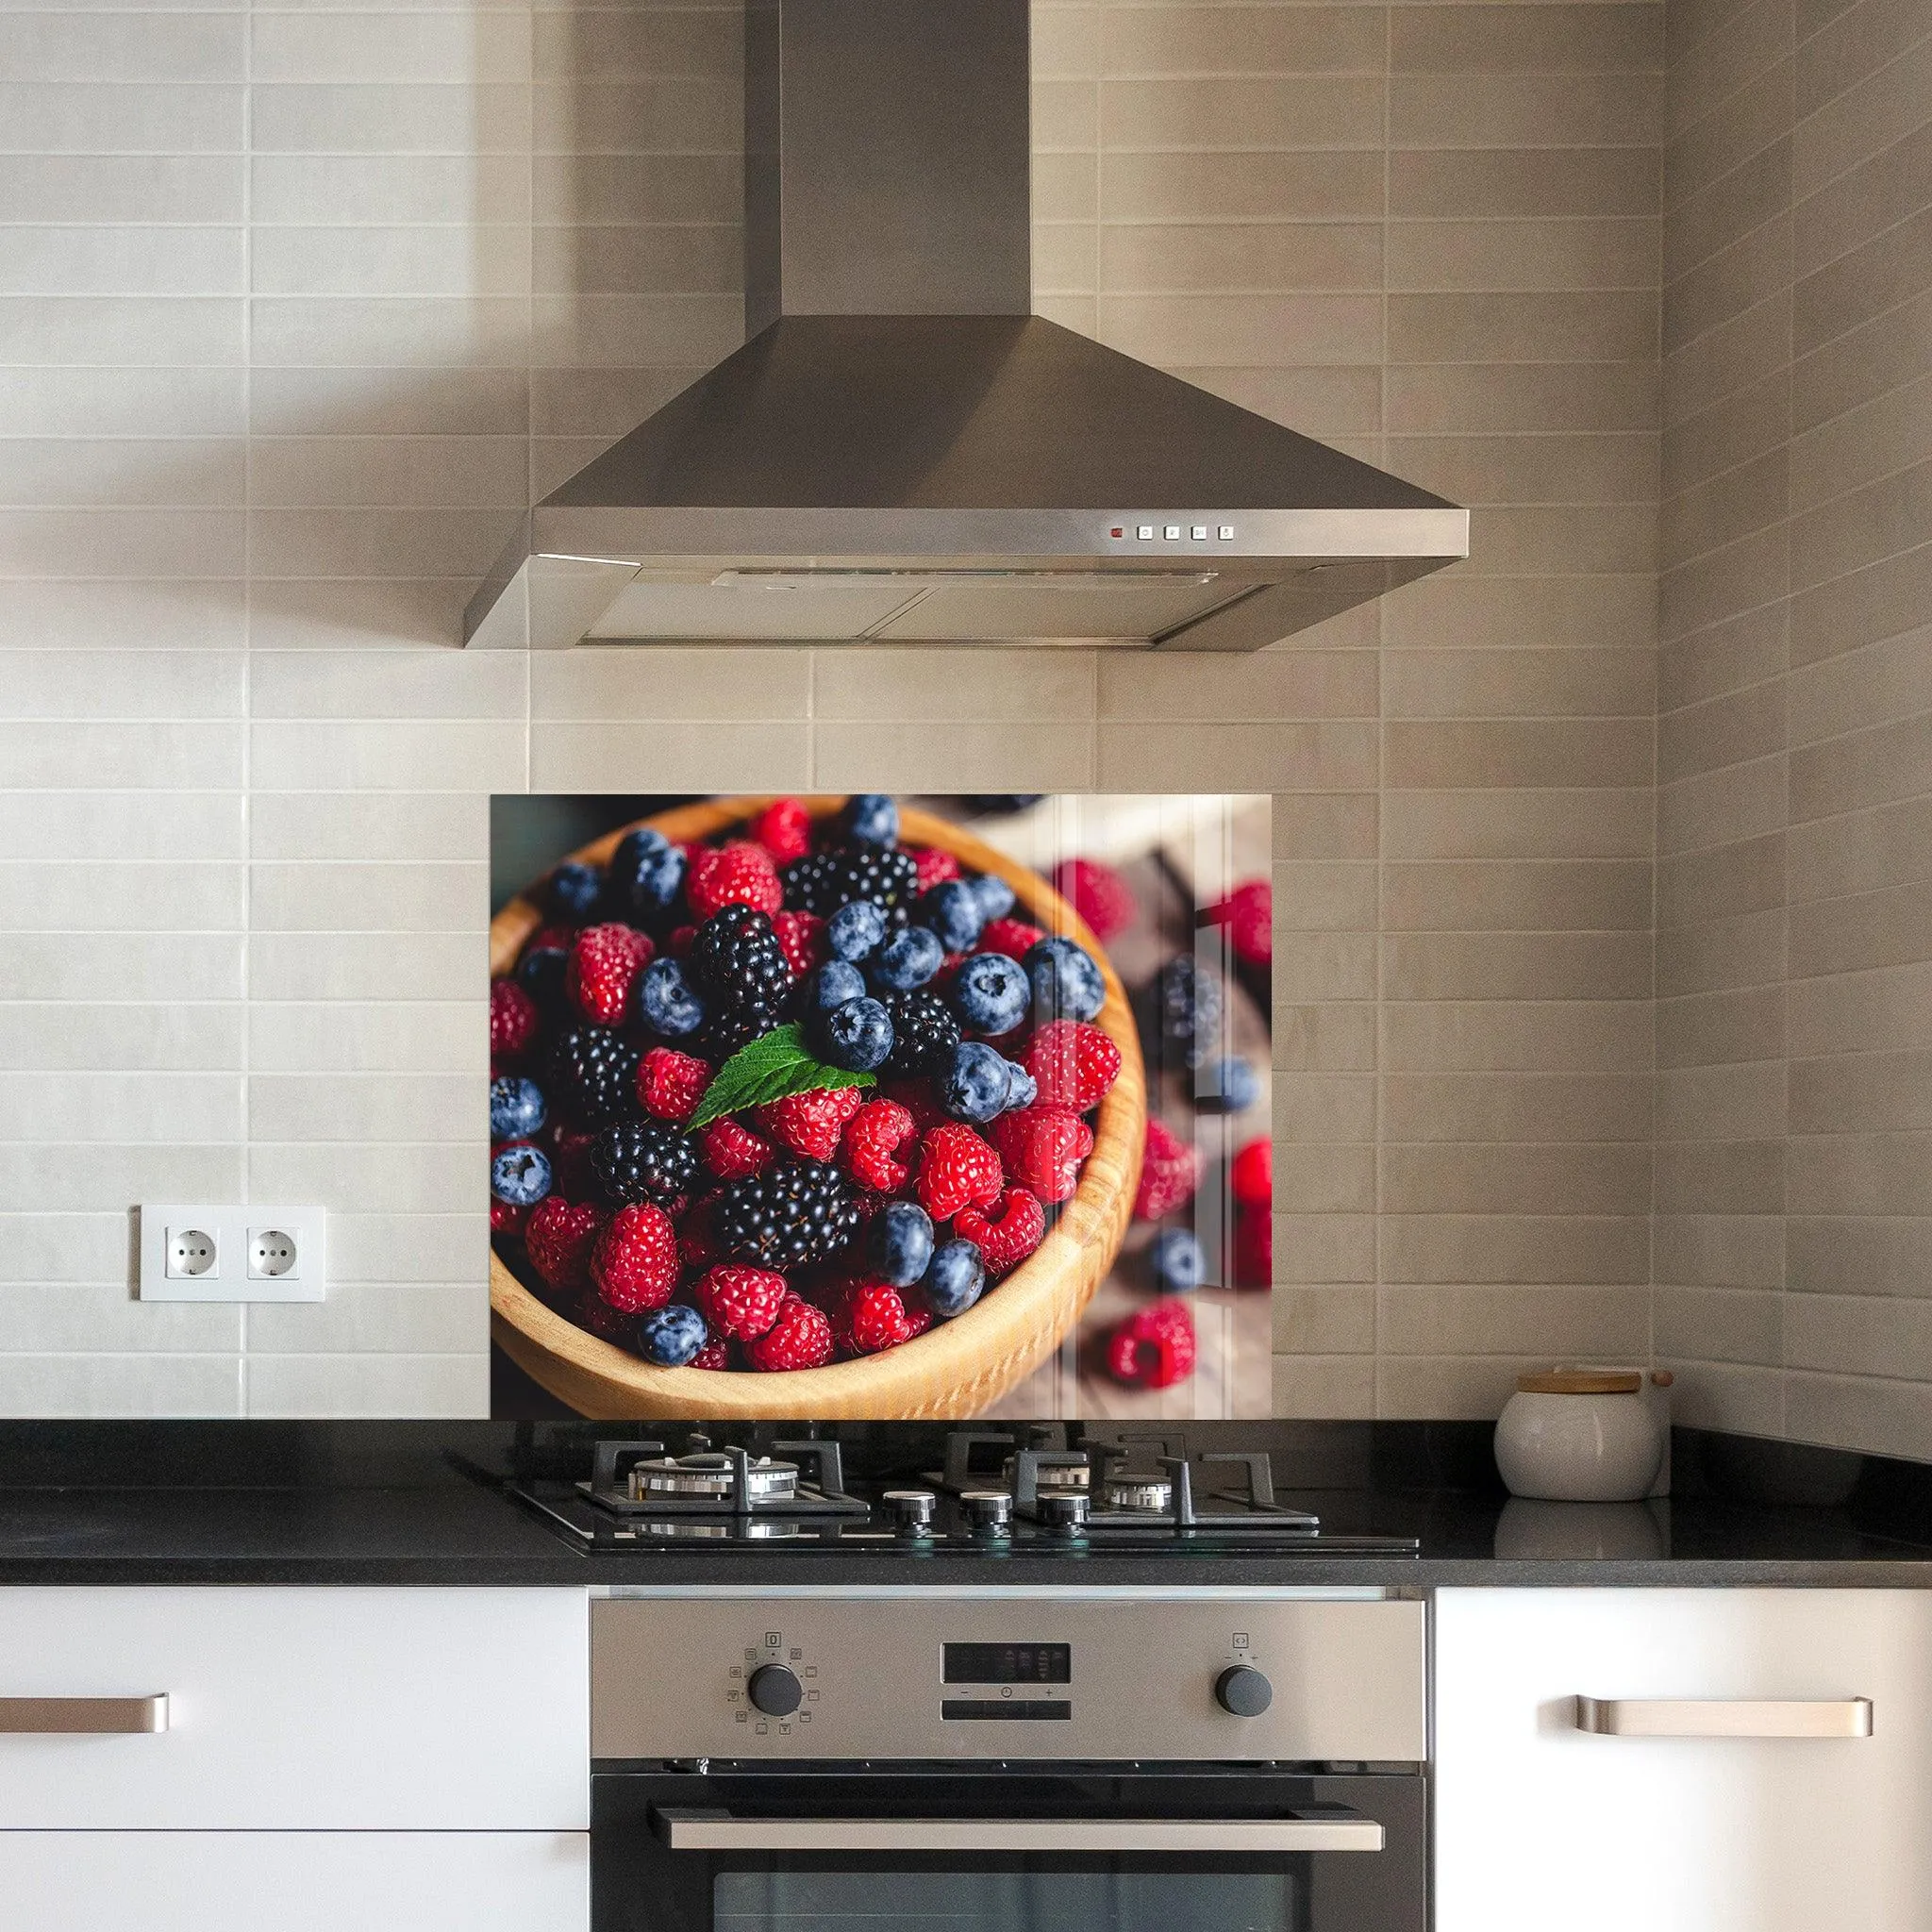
{"x": 1795, "y": 949}
{"x": 298, "y": 306}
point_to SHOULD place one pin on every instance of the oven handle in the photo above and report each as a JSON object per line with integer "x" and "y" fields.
{"x": 1333, "y": 1829}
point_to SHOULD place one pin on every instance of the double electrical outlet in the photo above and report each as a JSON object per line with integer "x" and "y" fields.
{"x": 233, "y": 1253}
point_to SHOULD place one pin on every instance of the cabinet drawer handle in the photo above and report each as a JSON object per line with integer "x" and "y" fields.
{"x": 79, "y": 1717}
{"x": 1690, "y": 1717}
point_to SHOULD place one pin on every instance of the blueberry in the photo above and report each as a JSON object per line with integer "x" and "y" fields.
{"x": 668, "y": 1001}
{"x": 573, "y": 891}
{"x": 908, "y": 959}
{"x": 857, "y": 1036}
{"x": 647, "y": 872}
{"x": 1176, "y": 1261}
{"x": 1227, "y": 1085}
{"x": 991, "y": 992}
{"x": 994, "y": 896}
{"x": 1066, "y": 982}
{"x": 541, "y": 973}
{"x": 954, "y": 1279}
{"x": 855, "y": 929}
{"x": 952, "y": 910}
{"x": 975, "y": 1086}
{"x": 516, "y": 1108}
{"x": 520, "y": 1175}
{"x": 872, "y": 819}
{"x": 669, "y": 1336}
{"x": 833, "y": 985}
{"x": 899, "y": 1243}
{"x": 1022, "y": 1090}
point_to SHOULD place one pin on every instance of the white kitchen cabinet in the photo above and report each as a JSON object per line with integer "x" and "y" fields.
{"x": 1539, "y": 1824}
{"x": 404, "y": 1710}
{"x": 294, "y": 1881}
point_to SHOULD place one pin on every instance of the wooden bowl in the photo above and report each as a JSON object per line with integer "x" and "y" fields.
{"x": 958, "y": 1367}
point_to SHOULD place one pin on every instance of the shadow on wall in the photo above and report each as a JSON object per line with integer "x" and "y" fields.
{"x": 443, "y": 328}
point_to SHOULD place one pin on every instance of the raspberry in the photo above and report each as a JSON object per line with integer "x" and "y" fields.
{"x": 1251, "y": 1175}
{"x": 800, "y": 1338}
{"x": 743, "y": 1302}
{"x": 1153, "y": 1346}
{"x": 917, "y": 1098}
{"x": 608, "y": 1323}
{"x": 1254, "y": 1248}
{"x": 801, "y": 939}
{"x": 1098, "y": 894}
{"x": 504, "y": 1219}
{"x": 559, "y": 1236}
{"x": 603, "y": 973}
{"x": 716, "y": 1353}
{"x": 1248, "y": 913}
{"x": 671, "y": 1084}
{"x": 956, "y": 1168}
{"x": 1170, "y": 1171}
{"x": 811, "y": 1124}
{"x": 934, "y": 865}
{"x": 872, "y": 1135}
{"x": 732, "y": 1151}
{"x": 1043, "y": 1147}
{"x": 635, "y": 1261}
{"x": 875, "y": 1315}
{"x": 1006, "y": 1242}
{"x": 1011, "y": 937}
{"x": 576, "y": 1176}
{"x": 1074, "y": 1064}
{"x": 697, "y": 1241}
{"x": 918, "y": 1320}
{"x": 784, "y": 829}
{"x": 512, "y": 1019}
{"x": 740, "y": 874}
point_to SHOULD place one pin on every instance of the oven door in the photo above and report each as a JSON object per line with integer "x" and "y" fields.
{"x": 1006, "y": 1848}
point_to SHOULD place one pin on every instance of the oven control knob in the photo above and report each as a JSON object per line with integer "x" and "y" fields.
{"x": 989, "y": 1511}
{"x": 1240, "y": 1690}
{"x": 774, "y": 1690}
{"x": 912, "y": 1510}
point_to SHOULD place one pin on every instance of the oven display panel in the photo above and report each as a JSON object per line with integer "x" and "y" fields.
{"x": 1008, "y": 1663}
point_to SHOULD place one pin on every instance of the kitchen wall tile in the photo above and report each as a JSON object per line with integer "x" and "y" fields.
{"x": 1324, "y": 1387}
{"x": 303, "y": 966}
{"x": 99, "y": 1385}
{"x": 367, "y": 1384}
{"x": 584, "y": 756}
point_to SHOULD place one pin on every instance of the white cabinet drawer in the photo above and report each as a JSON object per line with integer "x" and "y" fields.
{"x": 318, "y": 1709}
{"x": 296, "y": 1881}
{"x": 1736, "y": 1820}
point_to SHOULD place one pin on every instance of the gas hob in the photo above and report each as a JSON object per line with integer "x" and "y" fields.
{"x": 996, "y": 1493}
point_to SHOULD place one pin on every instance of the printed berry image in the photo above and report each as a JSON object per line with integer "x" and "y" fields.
{"x": 814, "y": 1086}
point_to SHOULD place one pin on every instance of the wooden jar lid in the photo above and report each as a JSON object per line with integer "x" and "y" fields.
{"x": 1581, "y": 1382}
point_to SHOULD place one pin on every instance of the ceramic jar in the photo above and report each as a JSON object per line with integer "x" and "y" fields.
{"x": 1579, "y": 1436}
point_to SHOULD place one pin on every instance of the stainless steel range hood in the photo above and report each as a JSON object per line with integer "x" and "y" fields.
{"x": 902, "y": 452}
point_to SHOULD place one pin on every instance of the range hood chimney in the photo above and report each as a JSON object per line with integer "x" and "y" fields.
{"x": 902, "y": 451}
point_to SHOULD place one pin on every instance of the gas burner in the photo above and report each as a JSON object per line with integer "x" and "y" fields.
{"x": 1143, "y": 1492}
{"x": 628, "y": 1479}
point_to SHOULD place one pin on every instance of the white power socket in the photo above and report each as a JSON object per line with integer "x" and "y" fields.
{"x": 233, "y": 1253}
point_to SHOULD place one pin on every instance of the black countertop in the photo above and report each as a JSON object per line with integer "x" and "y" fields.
{"x": 333, "y": 1506}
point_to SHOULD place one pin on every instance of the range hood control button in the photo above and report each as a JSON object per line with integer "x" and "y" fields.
{"x": 774, "y": 1690}
{"x": 1241, "y": 1690}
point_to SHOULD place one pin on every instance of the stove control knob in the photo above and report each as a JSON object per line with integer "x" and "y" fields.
{"x": 989, "y": 1511}
{"x": 912, "y": 1510}
{"x": 1241, "y": 1690}
{"x": 774, "y": 1690}
{"x": 1067, "y": 1514}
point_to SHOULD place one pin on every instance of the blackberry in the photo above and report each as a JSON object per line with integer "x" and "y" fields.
{"x": 797, "y": 1211}
{"x": 595, "y": 1072}
{"x": 737, "y": 958}
{"x": 644, "y": 1161}
{"x": 822, "y": 881}
{"x": 923, "y": 1033}
{"x": 1184, "y": 1011}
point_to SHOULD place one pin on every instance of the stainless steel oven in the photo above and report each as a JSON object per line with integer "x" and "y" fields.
{"x": 1008, "y": 1761}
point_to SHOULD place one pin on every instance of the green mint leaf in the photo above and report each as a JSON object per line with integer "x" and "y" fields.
{"x": 768, "y": 1068}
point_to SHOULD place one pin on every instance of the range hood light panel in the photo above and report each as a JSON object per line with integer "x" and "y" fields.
{"x": 901, "y": 447}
